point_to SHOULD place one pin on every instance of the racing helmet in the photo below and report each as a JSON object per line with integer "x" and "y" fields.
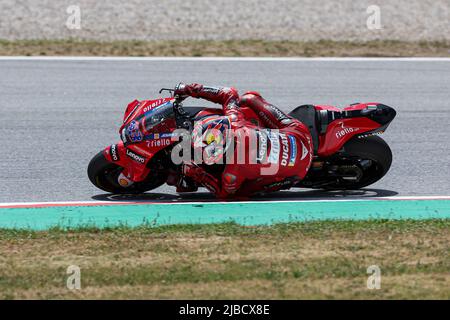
{"x": 211, "y": 136}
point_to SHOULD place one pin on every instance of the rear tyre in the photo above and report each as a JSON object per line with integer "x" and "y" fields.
{"x": 103, "y": 174}
{"x": 372, "y": 151}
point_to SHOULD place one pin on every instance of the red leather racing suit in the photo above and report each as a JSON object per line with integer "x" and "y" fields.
{"x": 287, "y": 145}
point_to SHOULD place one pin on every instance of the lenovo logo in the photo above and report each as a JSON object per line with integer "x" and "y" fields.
{"x": 135, "y": 156}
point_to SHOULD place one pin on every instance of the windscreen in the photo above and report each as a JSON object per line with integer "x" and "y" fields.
{"x": 158, "y": 115}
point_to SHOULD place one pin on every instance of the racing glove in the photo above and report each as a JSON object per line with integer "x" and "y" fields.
{"x": 192, "y": 90}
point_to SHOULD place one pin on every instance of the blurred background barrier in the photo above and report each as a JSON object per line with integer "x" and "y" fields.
{"x": 295, "y": 20}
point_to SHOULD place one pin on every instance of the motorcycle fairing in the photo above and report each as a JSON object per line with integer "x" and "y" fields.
{"x": 133, "y": 160}
{"x": 136, "y": 108}
{"x": 144, "y": 117}
{"x": 356, "y": 120}
{"x": 147, "y": 128}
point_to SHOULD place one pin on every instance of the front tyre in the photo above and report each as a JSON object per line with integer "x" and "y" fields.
{"x": 103, "y": 174}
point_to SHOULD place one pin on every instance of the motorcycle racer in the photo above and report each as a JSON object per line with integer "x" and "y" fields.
{"x": 283, "y": 151}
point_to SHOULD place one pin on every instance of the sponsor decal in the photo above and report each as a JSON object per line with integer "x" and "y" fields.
{"x": 135, "y": 156}
{"x": 156, "y": 136}
{"x": 293, "y": 151}
{"x": 277, "y": 113}
{"x": 123, "y": 136}
{"x": 124, "y": 181}
{"x": 212, "y": 90}
{"x": 370, "y": 134}
{"x": 167, "y": 135}
{"x": 262, "y": 146}
{"x": 274, "y": 155}
{"x": 114, "y": 153}
{"x": 345, "y": 131}
{"x": 154, "y": 104}
{"x": 158, "y": 143}
{"x": 285, "y": 154}
{"x": 304, "y": 151}
{"x": 276, "y": 148}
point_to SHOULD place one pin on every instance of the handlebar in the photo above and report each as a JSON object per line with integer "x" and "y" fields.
{"x": 172, "y": 94}
{"x": 166, "y": 89}
{"x": 181, "y": 116}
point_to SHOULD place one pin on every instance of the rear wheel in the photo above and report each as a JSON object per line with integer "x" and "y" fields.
{"x": 366, "y": 160}
{"x": 103, "y": 174}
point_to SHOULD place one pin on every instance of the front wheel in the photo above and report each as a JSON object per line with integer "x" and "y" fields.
{"x": 103, "y": 174}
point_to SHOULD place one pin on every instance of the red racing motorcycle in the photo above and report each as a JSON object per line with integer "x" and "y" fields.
{"x": 348, "y": 152}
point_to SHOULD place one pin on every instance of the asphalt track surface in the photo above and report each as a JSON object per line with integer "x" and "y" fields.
{"x": 55, "y": 115}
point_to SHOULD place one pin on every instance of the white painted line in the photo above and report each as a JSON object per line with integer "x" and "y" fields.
{"x": 414, "y": 198}
{"x": 168, "y": 202}
{"x": 215, "y": 59}
{"x": 62, "y": 203}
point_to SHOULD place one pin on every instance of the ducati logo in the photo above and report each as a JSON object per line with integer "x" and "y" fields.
{"x": 285, "y": 149}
